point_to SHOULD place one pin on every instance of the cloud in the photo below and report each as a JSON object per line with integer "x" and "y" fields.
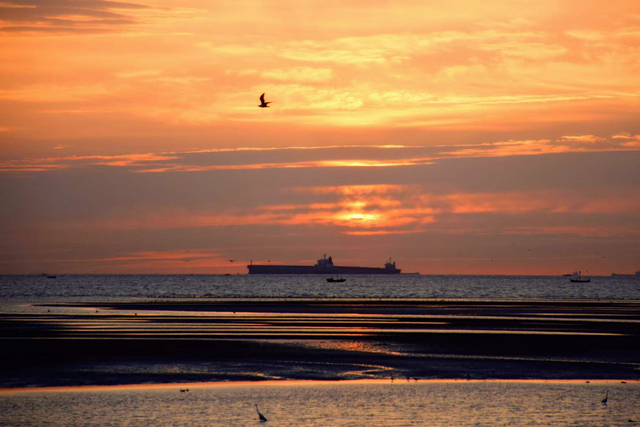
{"x": 594, "y": 35}
{"x": 58, "y": 163}
{"x": 138, "y": 73}
{"x": 385, "y": 210}
{"x": 331, "y": 156}
{"x": 44, "y": 93}
{"x": 67, "y": 16}
{"x": 79, "y": 17}
{"x": 583, "y": 138}
{"x": 396, "y": 49}
{"x": 294, "y": 74}
{"x": 626, "y": 135}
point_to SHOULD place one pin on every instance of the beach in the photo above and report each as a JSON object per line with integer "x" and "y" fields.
{"x": 227, "y": 339}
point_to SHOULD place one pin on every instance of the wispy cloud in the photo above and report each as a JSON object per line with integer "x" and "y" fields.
{"x": 626, "y": 136}
{"x": 56, "y": 163}
{"x": 294, "y": 74}
{"x": 584, "y": 138}
{"x": 332, "y": 156}
{"x": 79, "y": 17}
{"x": 67, "y": 16}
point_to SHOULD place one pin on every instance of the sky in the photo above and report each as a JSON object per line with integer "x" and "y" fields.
{"x": 459, "y": 137}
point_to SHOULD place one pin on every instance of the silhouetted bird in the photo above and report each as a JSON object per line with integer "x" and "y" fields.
{"x": 606, "y": 398}
{"x": 263, "y": 104}
{"x": 263, "y": 419}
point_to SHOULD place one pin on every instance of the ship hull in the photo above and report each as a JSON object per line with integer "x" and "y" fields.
{"x": 300, "y": 269}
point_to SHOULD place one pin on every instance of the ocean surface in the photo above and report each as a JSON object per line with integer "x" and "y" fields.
{"x": 295, "y": 403}
{"x": 20, "y": 290}
{"x": 461, "y": 403}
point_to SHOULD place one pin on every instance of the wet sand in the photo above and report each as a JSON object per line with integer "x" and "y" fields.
{"x": 247, "y": 340}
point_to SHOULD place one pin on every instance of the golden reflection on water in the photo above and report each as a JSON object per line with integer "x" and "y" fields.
{"x": 348, "y": 403}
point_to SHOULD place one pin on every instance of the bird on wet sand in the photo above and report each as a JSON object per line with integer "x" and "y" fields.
{"x": 262, "y": 418}
{"x": 606, "y": 398}
{"x": 263, "y": 104}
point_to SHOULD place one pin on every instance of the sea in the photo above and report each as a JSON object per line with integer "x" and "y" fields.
{"x": 309, "y": 403}
{"x": 21, "y": 290}
{"x": 372, "y": 403}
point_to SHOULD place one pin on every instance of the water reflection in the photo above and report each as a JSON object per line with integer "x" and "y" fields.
{"x": 437, "y": 403}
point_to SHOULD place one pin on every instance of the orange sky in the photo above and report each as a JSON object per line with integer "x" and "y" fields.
{"x": 466, "y": 137}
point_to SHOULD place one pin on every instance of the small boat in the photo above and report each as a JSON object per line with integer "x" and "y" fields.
{"x": 50, "y": 276}
{"x": 336, "y": 279}
{"x": 576, "y": 277}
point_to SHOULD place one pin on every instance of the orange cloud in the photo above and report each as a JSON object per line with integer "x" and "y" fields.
{"x": 382, "y": 210}
{"x": 205, "y": 160}
{"x": 583, "y": 138}
{"x": 626, "y": 135}
{"x": 68, "y": 17}
{"x": 422, "y": 70}
{"x": 57, "y": 163}
{"x": 293, "y": 165}
{"x": 382, "y": 232}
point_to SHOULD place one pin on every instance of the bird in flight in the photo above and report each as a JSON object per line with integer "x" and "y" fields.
{"x": 263, "y": 104}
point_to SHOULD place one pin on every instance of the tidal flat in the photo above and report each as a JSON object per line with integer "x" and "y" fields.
{"x": 182, "y": 341}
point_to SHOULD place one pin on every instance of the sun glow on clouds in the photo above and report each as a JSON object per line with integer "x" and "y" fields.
{"x": 166, "y": 92}
{"x": 374, "y": 210}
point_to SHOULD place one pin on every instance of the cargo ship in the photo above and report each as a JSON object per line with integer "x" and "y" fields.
{"x": 324, "y": 266}
{"x": 626, "y": 275}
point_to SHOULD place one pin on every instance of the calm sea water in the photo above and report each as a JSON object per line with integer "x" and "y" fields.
{"x": 25, "y": 289}
{"x": 392, "y": 404}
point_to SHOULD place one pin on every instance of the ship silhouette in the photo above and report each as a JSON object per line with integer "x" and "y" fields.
{"x": 324, "y": 266}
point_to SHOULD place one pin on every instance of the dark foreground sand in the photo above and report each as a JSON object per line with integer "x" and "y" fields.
{"x": 235, "y": 340}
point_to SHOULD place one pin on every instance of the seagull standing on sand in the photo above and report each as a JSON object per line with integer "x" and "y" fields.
{"x": 263, "y": 104}
{"x": 606, "y": 398}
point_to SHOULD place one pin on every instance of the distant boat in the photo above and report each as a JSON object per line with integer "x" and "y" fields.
{"x": 637, "y": 275}
{"x": 576, "y": 277}
{"x": 51, "y": 276}
{"x": 336, "y": 279}
{"x": 567, "y": 275}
